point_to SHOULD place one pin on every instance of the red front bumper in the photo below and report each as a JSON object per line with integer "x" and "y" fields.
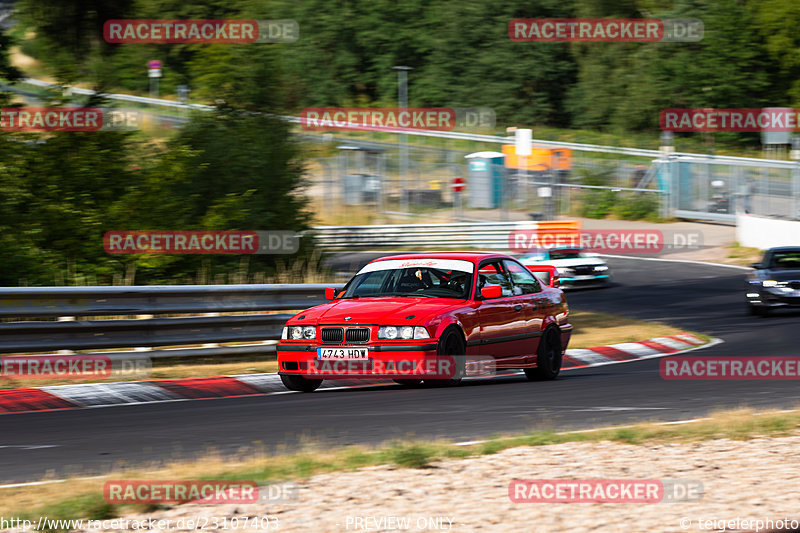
{"x": 418, "y": 361}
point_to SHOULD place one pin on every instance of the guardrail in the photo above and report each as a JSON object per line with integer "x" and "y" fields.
{"x": 488, "y": 235}
{"x": 73, "y": 332}
{"x": 120, "y": 97}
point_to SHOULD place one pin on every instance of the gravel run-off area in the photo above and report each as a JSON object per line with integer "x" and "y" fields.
{"x": 751, "y": 480}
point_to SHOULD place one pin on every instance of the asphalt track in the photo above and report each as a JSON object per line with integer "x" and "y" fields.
{"x": 699, "y": 297}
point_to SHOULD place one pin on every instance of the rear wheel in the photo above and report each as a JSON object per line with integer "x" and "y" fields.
{"x": 299, "y": 383}
{"x": 451, "y": 344}
{"x": 548, "y": 360}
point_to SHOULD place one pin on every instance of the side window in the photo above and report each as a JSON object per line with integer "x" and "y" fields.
{"x": 494, "y": 274}
{"x": 524, "y": 281}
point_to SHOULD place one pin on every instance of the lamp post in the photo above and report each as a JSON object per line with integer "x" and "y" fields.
{"x": 402, "y": 99}
{"x": 154, "y": 72}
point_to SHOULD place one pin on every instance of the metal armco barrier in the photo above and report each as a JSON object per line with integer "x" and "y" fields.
{"x": 99, "y": 334}
{"x": 493, "y": 235}
{"x": 79, "y": 334}
{"x": 138, "y": 300}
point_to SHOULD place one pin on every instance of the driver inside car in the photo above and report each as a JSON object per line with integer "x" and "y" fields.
{"x": 412, "y": 282}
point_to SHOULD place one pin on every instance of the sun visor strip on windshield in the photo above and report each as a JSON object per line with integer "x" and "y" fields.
{"x": 441, "y": 264}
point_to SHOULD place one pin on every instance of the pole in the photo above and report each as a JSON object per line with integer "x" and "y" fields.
{"x": 795, "y": 156}
{"x": 669, "y": 198}
{"x": 402, "y": 98}
{"x": 522, "y": 180}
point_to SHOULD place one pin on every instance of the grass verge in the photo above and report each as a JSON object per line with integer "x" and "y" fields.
{"x": 590, "y": 329}
{"x": 85, "y": 498}
{"x": 743, "y": 255}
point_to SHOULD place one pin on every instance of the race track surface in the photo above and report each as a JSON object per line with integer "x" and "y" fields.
{"x": 703, "y": 298}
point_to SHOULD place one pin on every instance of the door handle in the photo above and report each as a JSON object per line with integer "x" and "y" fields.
{"x": 517, "y": 307}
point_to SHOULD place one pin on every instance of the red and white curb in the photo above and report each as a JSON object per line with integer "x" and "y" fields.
{"x": 170, "y": 390}
{"x": 631, "y": 351}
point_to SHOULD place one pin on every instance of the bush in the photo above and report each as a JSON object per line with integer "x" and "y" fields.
{"x": 597, "y": 203}
{"x": 640, "y": 206}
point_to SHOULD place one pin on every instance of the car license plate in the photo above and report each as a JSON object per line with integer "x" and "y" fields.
{"x": 343, "y": 354}
{"x": 584, "y": 277}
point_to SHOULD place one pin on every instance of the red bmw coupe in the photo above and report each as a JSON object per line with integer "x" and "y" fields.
{"x": 429, "y": 318}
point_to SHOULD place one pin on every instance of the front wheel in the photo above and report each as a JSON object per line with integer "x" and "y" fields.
{"x": 299, "y": 383}
{"x": 451, "y": 344}
{"x": 548, "y": 360}
{"x": 758, "y": 310}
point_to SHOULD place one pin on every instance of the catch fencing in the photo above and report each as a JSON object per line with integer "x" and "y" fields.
{"x": 686, "y": 185}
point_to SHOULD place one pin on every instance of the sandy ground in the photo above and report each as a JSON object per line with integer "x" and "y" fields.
{"x": 734, "y": 482}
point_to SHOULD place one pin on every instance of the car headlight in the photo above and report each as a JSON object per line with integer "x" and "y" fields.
{"x": 600, "y": 268}
{"x": 296, "y": 332}
{"x": 310, "y": 332}
{"x": 769, "y": 283}
{"x": 403, "y": 332}
{"x": 387, "y": 332}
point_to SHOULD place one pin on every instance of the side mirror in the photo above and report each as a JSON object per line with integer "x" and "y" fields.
{"x": 330, "y": 293}
{"x": 755, "y": 265}
{"x": 492, "y": 291}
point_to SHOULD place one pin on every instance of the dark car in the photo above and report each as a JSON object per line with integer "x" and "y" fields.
{"x": 775, "y": 282}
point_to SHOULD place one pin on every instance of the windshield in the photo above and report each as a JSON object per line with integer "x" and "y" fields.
{"x": 423, "y": 282}
{"x": 788, "y": 259}
{"x": 568, "y": 254}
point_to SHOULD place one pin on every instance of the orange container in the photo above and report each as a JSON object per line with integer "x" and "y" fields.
{"x": 541, "y": 159}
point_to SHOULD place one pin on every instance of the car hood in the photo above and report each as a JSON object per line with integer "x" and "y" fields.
{"x": 385, "y": 311}
{"x": 781, "y": 274}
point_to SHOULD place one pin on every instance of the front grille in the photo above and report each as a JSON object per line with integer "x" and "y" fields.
{"x": 332, "y": 335}
{"x": 795, "y": 285}
{"x": 583, "y": 270}
{"x": 357, "y": 334}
